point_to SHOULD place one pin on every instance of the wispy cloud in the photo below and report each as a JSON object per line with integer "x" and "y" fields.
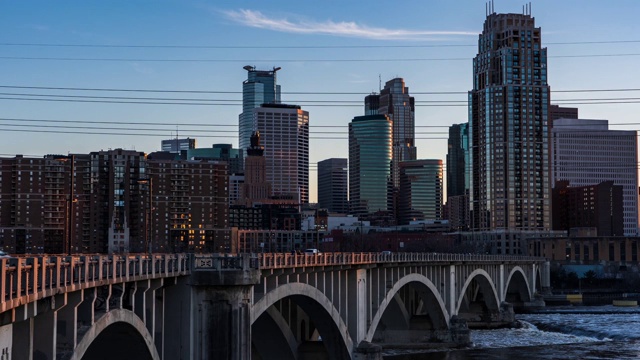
{"x": 346, "y": 29}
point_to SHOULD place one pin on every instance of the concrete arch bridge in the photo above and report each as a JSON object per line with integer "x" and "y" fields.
{"x": 259, "y": 306}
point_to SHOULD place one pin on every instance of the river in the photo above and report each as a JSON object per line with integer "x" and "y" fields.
{"x": 599, "y": 332}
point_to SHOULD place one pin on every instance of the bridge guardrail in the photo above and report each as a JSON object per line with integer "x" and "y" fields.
{"x": 286, "y": 260}
{"x": 26, "y": 279}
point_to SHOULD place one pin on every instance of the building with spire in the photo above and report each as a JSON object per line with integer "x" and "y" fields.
{"x": 509, "y": 129}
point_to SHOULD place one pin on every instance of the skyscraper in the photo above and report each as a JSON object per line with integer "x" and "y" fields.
{"x": 508, "y": 118}
{"x": 260, "y": 87}
{"x": 396, "y": 103}
{"x": 332, "y": 185}
{"x": 284, "y": 132}
{"x": 370, "y": 161}
{"x": 457, "y": 159}
{"x": 420, "y": 190}
{"x": 586, "y": 153}
{"x": 255, "y": 187}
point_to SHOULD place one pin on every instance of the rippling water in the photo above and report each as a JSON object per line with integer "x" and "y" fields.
{"x": 604, "y": 332}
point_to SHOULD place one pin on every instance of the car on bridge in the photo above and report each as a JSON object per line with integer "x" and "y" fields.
{"x": 312, "y": 252}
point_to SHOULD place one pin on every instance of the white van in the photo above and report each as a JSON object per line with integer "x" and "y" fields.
{"x": 312, "y": 252}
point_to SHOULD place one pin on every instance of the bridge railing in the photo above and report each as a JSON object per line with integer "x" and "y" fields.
{"x": 23, "y": 280}
{"x": 286, "y": 260}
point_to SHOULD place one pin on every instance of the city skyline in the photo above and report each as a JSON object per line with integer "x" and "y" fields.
{"x": 267, "y": 31}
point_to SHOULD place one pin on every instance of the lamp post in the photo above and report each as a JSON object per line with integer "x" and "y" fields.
{"x": 148, "y": 224}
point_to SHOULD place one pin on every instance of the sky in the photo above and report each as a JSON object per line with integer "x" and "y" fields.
{"x": 71, "y": 72}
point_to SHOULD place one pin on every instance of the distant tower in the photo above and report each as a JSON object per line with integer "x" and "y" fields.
{"x": 255, "y": 187}
{"x": 260, "y": 87}
{"x": 332, "y": 185}
{"x": 370, "y": 158}
{"x": 508, "y": 120}
{"x": 458, "y": 160}
{"x": 284, "y": 131}
{"x": 396, "y": 103}
{"x": 420, "y": 190}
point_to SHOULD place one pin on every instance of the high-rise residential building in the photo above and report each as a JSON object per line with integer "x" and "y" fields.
{"x": 594, "y": 206}
{"x": 260, "y": 88}
{"x": 508, "y": 121}
{"x": 458, "y": 173}
{"x": 420, "y": 190}
{"x": 189, "y": 205}
{"x": 118, "y": 206}
{"x": 176, "y": 145}
{"x": 586, "y": 153}
{"x": 560, "y": 112}
{"x": 370, "y": 161}
{"x": 284, "y": 133}
{"x": 333, "y": 185}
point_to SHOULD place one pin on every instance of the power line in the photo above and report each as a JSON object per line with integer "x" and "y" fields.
{"x": 244, "y": 61}
{"x": 174, "y": 46}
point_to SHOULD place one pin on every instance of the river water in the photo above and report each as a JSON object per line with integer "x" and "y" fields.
{"x": 602, "y": 332}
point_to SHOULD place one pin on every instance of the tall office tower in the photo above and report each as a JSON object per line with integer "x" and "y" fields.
{"x": 370, "y": 161}
{"x": 586, "y": 152}
{"x": 332, "y": 185}
{"x": 234, "y": 157}
{"x": 508, "y": 120}
{"x": 176, "y": 145}
{"x": 396, "y": 103}
{"x": 259, "y": 88}
{"x": 256, "y": 188}
{"x": 559, "y": 112}
{"x": 457, "y": 160}
{"x": 420, "y": 190}
{"x": 284, "y": 131}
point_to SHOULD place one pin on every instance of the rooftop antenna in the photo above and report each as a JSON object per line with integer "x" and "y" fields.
{"x": 529, "y": 8}
{"x": 379, "y": 82}
{"x": 486, "y": 9}
{"x": 176, "y": 132}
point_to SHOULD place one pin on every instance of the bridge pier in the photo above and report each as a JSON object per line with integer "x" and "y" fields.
{"x": 221, "y": 293}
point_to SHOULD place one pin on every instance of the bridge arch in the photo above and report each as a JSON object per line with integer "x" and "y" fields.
{"x": 131, "y": 338}
{"x": 315, "y": 304}
{"x": 517, "y": 284}
{"x": 391, "y": 294}
{"x": 486, "y": 284}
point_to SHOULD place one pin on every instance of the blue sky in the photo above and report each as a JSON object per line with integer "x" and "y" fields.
{"x": 202, "y": 40}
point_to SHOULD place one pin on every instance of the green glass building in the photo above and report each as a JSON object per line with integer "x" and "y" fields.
{"x": 370, "y": 161}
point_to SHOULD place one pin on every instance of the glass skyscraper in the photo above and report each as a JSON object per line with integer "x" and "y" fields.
{"x": 370, "y": 159}
{"x": 420, "y": 190}
{"x": 260, "y": 87}
{"x": 332, "y": 185}
{"x": 508, "y": 118}
{"x": 457, "y": 159}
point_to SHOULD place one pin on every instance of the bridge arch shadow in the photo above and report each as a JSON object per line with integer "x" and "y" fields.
{"x": 118, "y": 334}
{"x": 288, "y": 334}
{"x": 411, "y": 310}
{"x": 517, "y": 290}
{"x": 478, "y": 299}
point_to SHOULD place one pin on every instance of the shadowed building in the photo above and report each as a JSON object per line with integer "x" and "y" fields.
{"x": 420, "y": 190}
{"x": 333, "y": 185}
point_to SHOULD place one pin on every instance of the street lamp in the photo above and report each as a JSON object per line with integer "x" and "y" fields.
{"x": 148, "y": 224}
{"x": 70, "y": 200}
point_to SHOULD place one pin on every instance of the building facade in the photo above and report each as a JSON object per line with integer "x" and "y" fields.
{"x": 260, "y": 87}
{"x": 420, "y": 190}
{"x": 596, "y": 206}
{"x": 370, "y": 161}
{"x": 284, "y": 133}
{"x": 333, "y": 184}
{"x": 176, "y": 145}
{"x": 586, "y": 152}
{"x": 508, "y": 121}
{"x": 457, "y": 159}
{"x": 560, "y": 112}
